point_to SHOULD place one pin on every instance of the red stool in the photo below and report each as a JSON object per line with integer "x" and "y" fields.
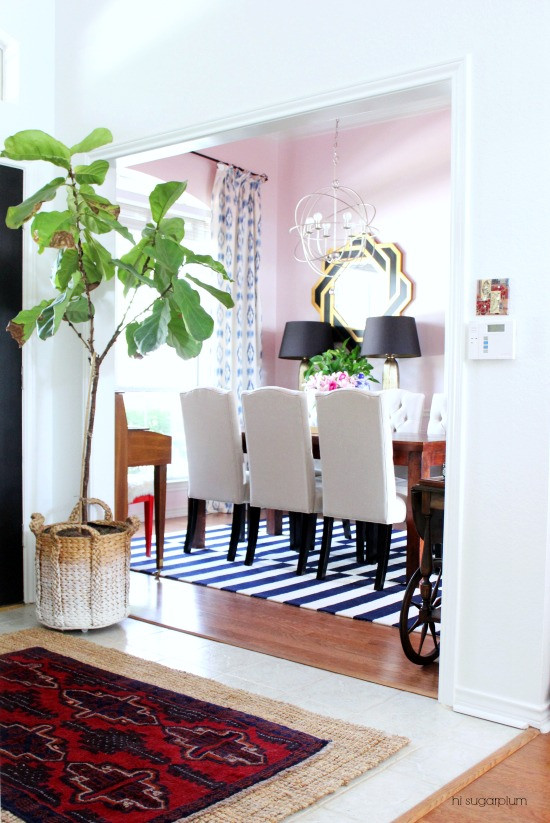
{"x": 148, "y": 501}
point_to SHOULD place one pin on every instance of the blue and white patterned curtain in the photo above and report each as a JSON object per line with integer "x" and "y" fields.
{"x": 236, "y": 228}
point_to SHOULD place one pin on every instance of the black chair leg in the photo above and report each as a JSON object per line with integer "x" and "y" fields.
{"x": 295, "y": 529}
{"x": 346, "y": 525}
{"x": 253, "y": 526}
{"x": 307, "y": 541}
{"x": 325, "y": 547}
{"x": 360, "y": 532}
{"x": 371, "y": 542}
{"x": 384, "y": 544}
{"x": 192, "y": 514}
{"x": 242, "y": 535}
{"x": 239, "y": 510}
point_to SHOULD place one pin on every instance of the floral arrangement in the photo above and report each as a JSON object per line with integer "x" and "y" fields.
{"x": 339, "y": 368}
{"x": 337, "y": 380}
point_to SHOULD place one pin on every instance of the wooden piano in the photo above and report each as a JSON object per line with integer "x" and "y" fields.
{"x": 141, "y": 447}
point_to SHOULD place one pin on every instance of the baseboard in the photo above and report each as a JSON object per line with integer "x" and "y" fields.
{"x": 518, "y": 714}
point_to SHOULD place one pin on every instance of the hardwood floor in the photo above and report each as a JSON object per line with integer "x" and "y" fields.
{"x": 510, "y": 786}
{"x": 353, "y": 647}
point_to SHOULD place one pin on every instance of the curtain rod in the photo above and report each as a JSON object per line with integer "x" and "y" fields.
{"x": 264, "y": 177}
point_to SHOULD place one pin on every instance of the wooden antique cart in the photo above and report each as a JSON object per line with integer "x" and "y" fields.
{"x": 421, "y": 608}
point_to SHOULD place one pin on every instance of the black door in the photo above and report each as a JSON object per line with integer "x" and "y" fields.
{"x": 11, "y": 452}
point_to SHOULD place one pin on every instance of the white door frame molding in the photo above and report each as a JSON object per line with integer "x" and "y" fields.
{"x": 442, "y": 85}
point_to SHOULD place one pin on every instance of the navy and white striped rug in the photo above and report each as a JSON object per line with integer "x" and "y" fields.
{"x": 347, "y": 590}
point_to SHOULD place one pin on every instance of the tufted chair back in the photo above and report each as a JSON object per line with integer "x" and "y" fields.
{"x": 405, "y": 409}
{"x": 437, "y": 424}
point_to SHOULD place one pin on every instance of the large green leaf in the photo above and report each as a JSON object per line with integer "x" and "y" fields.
{"x": 97, "y": 201}
{"x": 162, "y": 278}
{"x": 94, "y": 173}
{"x": 153, "y": 331}
{"x": 163, "y": 196}
{"x": 179, "y": 338}
{"x": 98, "y": 263}
{"x": 167, "y": 252}
{"x": 223, "y": 296}
{"x": 197, "y": 321}
{"x": 17, "y": 215}
{"x": 78, "y": 310}
{"x": 96, "y": 138}
{"x": 54, "y": 229}
{"x": 34, "y": 144}
{"x": 131, "y": 342}
{"x": 67, "y": 265}
{"x": 93, "y": 223}
{"x": 50, "y": 319}
{"x": 139, "y": 278}
{"x": 172, "y": 227}
{"x": 205, "y": 260}
{"x": 101, "y": 222}
{"x": 138, "y": 261}
{"x": 24, "y": 323}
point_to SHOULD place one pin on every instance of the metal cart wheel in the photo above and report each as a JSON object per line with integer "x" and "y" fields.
{"x": 421, "y": 615}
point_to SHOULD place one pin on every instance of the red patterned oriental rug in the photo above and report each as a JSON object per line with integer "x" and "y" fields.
{"x": 81, "y": 739}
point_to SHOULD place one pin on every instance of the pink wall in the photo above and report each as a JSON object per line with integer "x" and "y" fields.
{"x": 402, "y": 167}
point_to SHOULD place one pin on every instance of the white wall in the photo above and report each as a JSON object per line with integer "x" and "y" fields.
{"x": 51, "y": 431}
{"x": 198, "y": 67}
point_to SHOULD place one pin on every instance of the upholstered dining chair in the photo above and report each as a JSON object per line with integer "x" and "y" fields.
{"x": 215, "y": 458}
{"x": 405, "y": 409}
{"x": 437, "y": 424}
{"x": 355, "y": 441}
{"x": 280, "y": 463}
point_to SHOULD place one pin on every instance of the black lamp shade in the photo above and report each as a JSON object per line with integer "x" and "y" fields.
{"x": 386, "y": 336}
{"x": 303, "y": 339}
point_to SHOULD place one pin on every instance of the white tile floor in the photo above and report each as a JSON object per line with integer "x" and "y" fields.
{"x": 443, "y": 743}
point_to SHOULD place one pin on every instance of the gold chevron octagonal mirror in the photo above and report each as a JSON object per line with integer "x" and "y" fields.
{"x": 366, "y": 280}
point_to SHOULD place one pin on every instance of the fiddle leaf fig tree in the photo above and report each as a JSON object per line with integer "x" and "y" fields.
{"x": 157, "y": 263}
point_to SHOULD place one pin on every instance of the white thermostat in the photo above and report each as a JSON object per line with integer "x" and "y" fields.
{"x": 492, "y": 337}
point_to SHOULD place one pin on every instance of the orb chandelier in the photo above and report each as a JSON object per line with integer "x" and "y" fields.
{"x": 328, "y": 219}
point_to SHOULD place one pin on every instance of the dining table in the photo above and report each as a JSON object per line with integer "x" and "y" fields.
{"x": 418, "y": 452}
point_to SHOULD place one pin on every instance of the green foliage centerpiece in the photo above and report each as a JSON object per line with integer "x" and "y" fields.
{"x": 156, "y": 263}
{"x": 338, "y": 368}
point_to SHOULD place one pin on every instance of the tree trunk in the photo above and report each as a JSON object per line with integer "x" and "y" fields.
{"x": 88, "y": 433}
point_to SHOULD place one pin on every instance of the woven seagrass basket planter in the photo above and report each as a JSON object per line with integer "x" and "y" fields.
{"x": 82, "y": 570}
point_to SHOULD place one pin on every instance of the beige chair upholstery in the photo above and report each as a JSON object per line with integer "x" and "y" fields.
{"x": 405, "y": 409}
{"x": 280, "y": 462}
{"x": 437, "y": 424}
{"x": 215, "y": 457}
{"x": 355, "y": 441}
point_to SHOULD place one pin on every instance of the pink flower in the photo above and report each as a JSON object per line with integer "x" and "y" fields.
{"x": 331, "y": 382}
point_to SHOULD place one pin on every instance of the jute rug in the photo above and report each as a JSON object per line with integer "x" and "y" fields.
{"x": 240, "y": 757}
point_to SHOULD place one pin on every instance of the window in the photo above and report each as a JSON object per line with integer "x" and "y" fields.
{"x": 152, "y": 385}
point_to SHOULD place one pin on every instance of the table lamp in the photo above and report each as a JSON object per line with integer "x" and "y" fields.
{"x": 303, "y": 339}
{"x": 390, "y": 337}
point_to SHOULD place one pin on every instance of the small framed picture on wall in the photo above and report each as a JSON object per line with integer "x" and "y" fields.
{"x": 492, "y": 296}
